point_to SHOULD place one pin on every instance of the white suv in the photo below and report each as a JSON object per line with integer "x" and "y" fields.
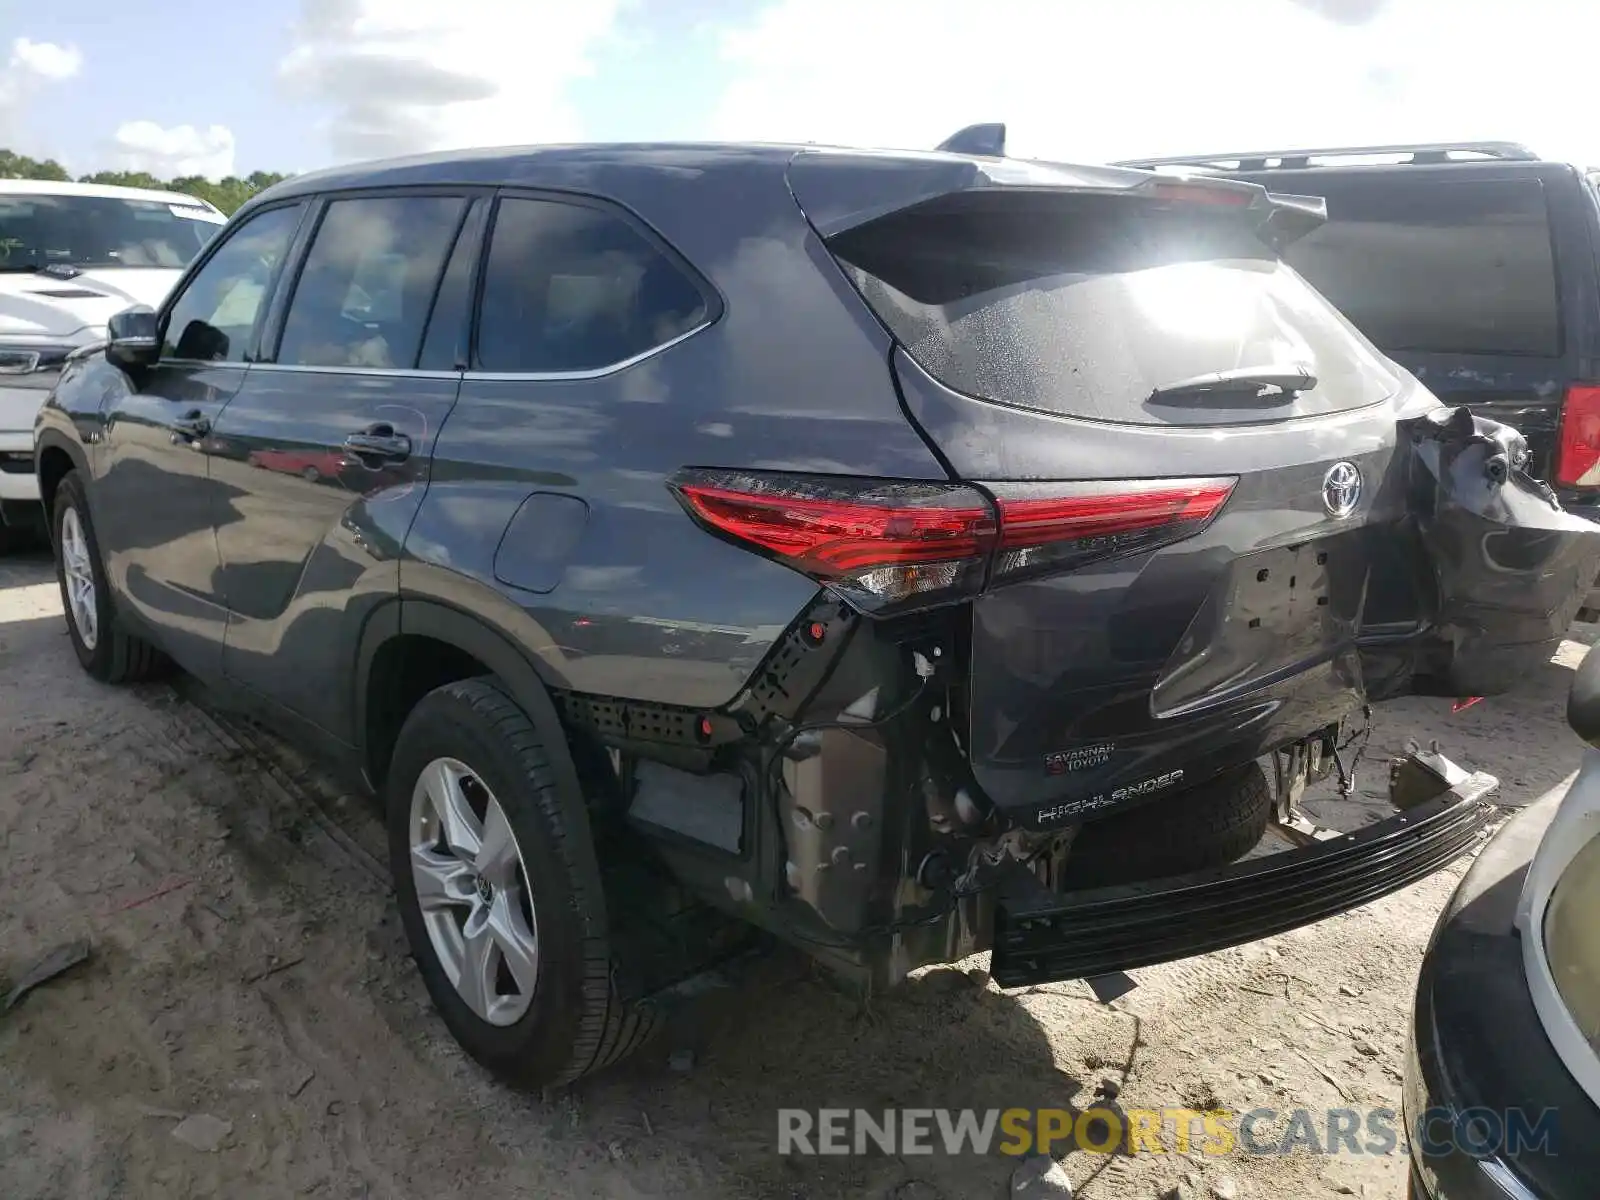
{"x": 71, "y": 255}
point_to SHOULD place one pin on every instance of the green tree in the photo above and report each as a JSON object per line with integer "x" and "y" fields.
{"x": 227, "y": 194}
{"x": 20, "y": 166}
{"x": 133, "y": 179}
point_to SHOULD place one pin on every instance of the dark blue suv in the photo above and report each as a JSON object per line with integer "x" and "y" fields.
{"x": 907, "y": 554}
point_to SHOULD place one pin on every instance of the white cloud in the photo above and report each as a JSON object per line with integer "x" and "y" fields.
{"x": 31, "y": 68}
{"x": 179, "y": 150}
{"x": 45, "y": 59}
{"x": 1086, "y": 80}
{"x": 412, "y": 75}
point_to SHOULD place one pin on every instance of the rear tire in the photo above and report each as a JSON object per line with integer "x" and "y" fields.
{"x": 549, "y": 1011}
{"x": 104, "y": 650}
{"x": 1205, "y": 826}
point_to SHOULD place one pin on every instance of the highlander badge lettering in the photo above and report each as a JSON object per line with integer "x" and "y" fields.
{"x": 1073, "y": 808}
{"x": 1341, "y": 489}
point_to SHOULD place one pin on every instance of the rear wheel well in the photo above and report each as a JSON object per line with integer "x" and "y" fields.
{"x": 406, "y": 667}
{"x": 54, "y": 463}
{"x": 404, "y": 670}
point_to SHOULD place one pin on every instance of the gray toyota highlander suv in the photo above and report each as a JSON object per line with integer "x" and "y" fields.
{"x": 907, "y": 554}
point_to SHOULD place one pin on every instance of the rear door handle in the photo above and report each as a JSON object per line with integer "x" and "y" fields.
{"x": 381, "y": 441}
{"x": 193, "y": 424}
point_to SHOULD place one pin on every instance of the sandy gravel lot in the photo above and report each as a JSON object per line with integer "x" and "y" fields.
{"x": 248, "y": 966}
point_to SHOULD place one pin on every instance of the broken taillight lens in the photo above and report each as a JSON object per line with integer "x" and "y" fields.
{"x": 1057, "y": 526}
{"x": 1578, "y": 457}
{"x": 881, "y": 544}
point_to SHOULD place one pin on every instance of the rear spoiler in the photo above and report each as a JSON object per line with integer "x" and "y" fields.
{"x": 842, "y": 189}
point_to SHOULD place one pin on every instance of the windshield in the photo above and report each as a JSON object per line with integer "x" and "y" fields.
{"x": 39, "y": 231}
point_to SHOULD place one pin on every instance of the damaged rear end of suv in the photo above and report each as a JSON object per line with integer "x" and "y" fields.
{"x": 905, "y": 554}
{"x": 1193, "y": 522}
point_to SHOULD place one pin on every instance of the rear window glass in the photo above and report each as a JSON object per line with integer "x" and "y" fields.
{"x": 1458, "y": 268}
{"x": 1088, "y": 305}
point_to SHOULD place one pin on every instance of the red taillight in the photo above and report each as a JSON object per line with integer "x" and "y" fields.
{"x": 880, "y": 543}
{"x": 895, "y": 544}
{"x": 1578, "y": 457}
{"x": 1069, "y": 525}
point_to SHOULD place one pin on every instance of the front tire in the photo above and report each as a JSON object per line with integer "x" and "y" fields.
{"x": 500, "y": 893}
{"x": 104, "y": 650}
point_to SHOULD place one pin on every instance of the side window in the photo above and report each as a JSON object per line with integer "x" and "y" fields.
{"x": 214, "y": 318}
{"x": 568, "y": 288}
{"x": 1464, "y": 267}
{"x": 368, "y": 281}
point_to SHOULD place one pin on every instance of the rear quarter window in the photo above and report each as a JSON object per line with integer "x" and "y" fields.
{"x": 1457, "y": 267}
{"x": 572, "y": 288}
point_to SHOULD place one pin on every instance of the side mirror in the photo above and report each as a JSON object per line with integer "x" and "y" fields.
{"x": 133, "y": 339}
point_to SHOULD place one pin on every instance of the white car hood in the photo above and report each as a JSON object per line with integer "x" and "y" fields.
{"x": 48, "y": 308}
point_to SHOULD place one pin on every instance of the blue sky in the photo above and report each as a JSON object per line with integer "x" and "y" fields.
{"x": 184, "y": 86}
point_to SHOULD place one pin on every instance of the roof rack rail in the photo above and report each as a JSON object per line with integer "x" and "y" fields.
{"x": 984, "y": 141}
{"x": 1264, "y": 160}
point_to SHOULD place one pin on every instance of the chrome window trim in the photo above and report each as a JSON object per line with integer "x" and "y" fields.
{"x": 205, "y": 362}
{"x": 387, "y": 372}
{"x": 593, "y": 372}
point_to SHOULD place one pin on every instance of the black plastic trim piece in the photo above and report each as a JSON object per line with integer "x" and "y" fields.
{"x": 1262, "y": 160}
{"x": 1083, "y": 934}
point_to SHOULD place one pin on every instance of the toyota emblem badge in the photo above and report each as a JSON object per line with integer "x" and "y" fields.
{"x": 1341, "y": 489}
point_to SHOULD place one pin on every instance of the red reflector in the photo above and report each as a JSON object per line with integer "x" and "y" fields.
{"x": 1033, "y": 522}
{"x": 1199, "y": 193}
{"x": 1578, "y": 457}
{"x": 1459, "y": 705}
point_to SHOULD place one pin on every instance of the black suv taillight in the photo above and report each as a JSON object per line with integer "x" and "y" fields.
{"x": 881, "y": 544}
{"x": 887, "y": 545}
{"x": 1061, "y": 526}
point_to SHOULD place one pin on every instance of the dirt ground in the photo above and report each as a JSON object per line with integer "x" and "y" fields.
{"x": 248, "y": 966}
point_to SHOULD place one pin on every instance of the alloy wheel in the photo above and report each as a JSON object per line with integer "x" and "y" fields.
{"x": 79, "y": 574}
{"x": 472, "y": 888}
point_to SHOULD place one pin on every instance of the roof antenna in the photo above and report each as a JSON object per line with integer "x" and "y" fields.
{"x": 985, "y": 141}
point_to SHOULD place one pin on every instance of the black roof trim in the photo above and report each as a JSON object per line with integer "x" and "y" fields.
{"x": 1264, "y": 160}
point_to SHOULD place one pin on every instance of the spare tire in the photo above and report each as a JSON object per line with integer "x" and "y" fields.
{"x": 1209, "y": 825}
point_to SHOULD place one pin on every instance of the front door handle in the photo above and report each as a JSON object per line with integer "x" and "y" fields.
{"x": 380, "y": 441}
{"x": 193, "y": 424}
